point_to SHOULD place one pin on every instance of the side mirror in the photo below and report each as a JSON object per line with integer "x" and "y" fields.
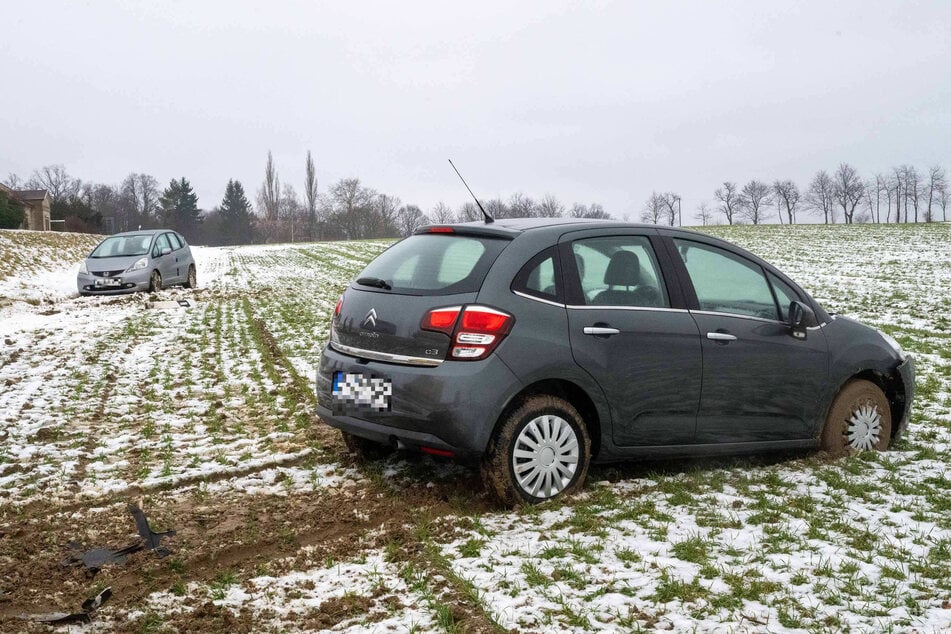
{"x": 801, "y": 317}
{"x": 166, "y": 250}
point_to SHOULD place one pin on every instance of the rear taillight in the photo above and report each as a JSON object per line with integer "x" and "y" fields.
{"x": 338, "y": 307}
{"x": 475, "y": 330}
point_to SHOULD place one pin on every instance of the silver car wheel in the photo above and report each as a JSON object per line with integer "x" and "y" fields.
{"x": 545, "y": 456}
{"x": 864, "y": 427}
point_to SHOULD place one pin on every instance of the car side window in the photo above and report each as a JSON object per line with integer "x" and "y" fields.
{"x": 173, "y": 240}
{"x": 619, "y": 271}
{"x": 181, "y": 239}
{"x": 539, "y": 276}
{"x": 785, "y": 295}
{"x": 160, "y": 243}
{"x": 725, "y": 282}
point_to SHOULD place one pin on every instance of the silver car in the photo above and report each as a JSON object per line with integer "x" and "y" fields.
{"x": 137, "y": 261}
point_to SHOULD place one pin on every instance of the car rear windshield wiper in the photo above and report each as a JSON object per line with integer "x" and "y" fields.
{"x": 375, "y": 282}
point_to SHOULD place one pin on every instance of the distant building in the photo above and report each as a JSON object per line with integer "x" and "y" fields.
{"x": 36, "y": 207}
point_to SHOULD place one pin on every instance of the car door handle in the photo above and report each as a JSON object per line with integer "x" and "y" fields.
{"x": 721, "y": 336}
{"x": 600, "y": 330}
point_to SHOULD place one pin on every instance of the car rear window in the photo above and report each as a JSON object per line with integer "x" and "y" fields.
{"x": 434, "y": 264}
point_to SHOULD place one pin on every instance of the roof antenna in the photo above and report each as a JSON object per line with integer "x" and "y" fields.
{"x": 488, "y": 219}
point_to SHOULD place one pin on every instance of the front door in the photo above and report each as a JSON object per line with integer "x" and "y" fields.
{"x": 643, "y": 352}
{"x": 760, "y": 383}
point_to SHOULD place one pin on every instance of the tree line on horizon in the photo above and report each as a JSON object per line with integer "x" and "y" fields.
{"x": 844, "y": 195}
{"x": 348, "y": 209}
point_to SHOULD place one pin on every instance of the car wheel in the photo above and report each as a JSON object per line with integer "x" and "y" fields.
{"x": 192, "y": 281}
{"x": 155, "y": 282}
{"x": 540, "y": 451}
{"x": 859, "y": 419}
{"x": 364, "y": 449}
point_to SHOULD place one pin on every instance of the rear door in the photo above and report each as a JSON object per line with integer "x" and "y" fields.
{"x": 164, "y": 263}
{"x": 178, "y": 257}
{"x": 629, "y": 329}
{"x": 759, "y": 382}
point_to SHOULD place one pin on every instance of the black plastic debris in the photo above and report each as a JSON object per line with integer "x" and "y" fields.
{"x": 153, "y": 540}
{"x": 183, "y": 303}
{"x": 62, "y": 618}
{"x": 95, "y": 558}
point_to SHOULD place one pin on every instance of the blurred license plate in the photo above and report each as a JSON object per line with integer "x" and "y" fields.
{"x": 109, "y": 282}
{"x": 366, "y": 391}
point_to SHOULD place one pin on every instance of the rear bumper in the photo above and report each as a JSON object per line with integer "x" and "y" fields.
{"x": 452, "y": 407}
{"x": 907, "y": 373}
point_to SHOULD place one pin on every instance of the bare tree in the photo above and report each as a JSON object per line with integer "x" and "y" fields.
{"x": 14, "y": 181}
{"x": 289, "y": 214}
{"x": 898, "y": 186}
{"x": 882, "y": 189}
{"x": 311, "y": 195}
{"x": 521, "y": 206}
{"x": 139, "y": 202}
{"x": 550, "y": 207}
{"x": 672, "y": 206}
{"x": 386, "y": 217}
{"x": 848, "y": 190}
{"x": 704, "y": 214}
{"x": 936, "y": 182}
{"x": 787, "y": 196}
{"x": 944, "y": 194}
{"x": 467, "y": 213}
{"x": 654, "y": 208}
{"x": 912, "y": 189}
{"x": 442, "y": 214}
{"x": 56, "y": 181}
{"x": 754, "y": 199}
{"x": 269, "y": 196}
{"x": 352, "y": 208}
{"x": 410, "y": 218}
{"x": 819, "y": 197}
{"x": 593, "y": 211}
{"x": 729, "y": 200}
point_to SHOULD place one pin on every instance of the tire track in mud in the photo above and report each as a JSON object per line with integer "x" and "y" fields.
{"x": 412, "y": 508}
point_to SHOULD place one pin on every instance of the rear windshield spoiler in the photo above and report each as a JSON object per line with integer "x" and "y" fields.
{"x": 480, "y": 230}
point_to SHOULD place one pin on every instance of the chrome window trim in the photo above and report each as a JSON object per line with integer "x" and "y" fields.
{"x": 751, "y": 318}
{"x": 385, "y": 356}
{"x": 538, "y": 299}
{"x": 658, "y": 309}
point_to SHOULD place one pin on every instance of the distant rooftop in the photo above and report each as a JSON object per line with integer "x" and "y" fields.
{"x": 30, "y": 194}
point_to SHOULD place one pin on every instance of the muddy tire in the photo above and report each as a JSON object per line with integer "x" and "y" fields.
{"x": 192, "y": 280}
{"x": 365, "y": 450}
{"x": 859, "y": 419}
{"x": 540, "y": 451}
{"x": 155, "y": 282}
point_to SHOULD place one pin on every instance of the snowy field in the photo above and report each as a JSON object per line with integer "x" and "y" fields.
{"x": 203, "y": 416}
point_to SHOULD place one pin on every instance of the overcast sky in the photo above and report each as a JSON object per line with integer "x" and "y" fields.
{"x": 593, "y": 102}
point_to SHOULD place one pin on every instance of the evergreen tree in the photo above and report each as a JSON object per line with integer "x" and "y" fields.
{"x": 180, "y": 207}
{"x": 236, "y": 215}
{"x": 11, "y": 212}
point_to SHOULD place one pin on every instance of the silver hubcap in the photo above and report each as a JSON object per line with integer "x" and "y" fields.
{"x": 864, "y": 427}
{"x": 546, "y": 456}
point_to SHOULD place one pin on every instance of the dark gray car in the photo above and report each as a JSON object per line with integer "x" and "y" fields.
{"x": 537, "y": 346}
{"x": 137, "y": 261}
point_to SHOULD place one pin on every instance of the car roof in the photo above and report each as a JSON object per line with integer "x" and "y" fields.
{"x": 511, "y": 227}
{"x": 140, "y": 232}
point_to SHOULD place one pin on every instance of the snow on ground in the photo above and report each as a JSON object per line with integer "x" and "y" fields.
{"x": 105, "y": 399}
